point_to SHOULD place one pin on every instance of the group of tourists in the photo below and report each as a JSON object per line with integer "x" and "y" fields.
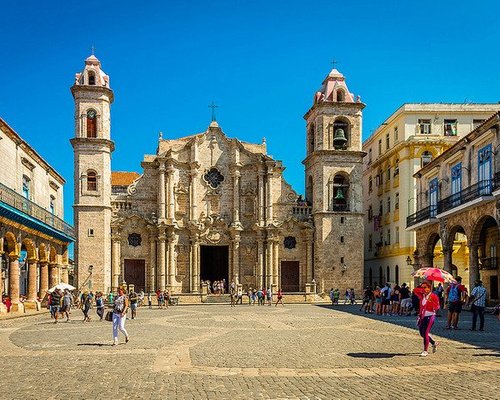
{"x": 216, "y": 287}
{"x": 262, "y": 297}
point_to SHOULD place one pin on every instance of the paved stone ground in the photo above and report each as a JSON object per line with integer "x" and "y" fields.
{"x": 216, "y": 352}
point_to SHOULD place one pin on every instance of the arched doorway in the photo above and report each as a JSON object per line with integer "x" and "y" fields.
{"x": 485, "y": 240}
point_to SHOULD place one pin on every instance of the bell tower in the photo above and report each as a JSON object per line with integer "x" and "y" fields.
{"x": 333, "y": 173}
{"x": 92, "y": 148}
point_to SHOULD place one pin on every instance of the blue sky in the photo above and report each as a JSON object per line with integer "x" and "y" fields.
{"x": 260, "y": 61}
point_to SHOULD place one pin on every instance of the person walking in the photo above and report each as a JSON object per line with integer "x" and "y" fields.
{"x": 99, "y": 305}
{"x": 150, "y": 301}
{"x": 429, "y": 304}
{"x": 279, "y": 298}
{"x": 55, "y": 304}
{"x": 478, "y": 304}
{"x": 269, "y": 295}
{"x": 66, "y": 304}
{"x": 456, "y": 294}
{"x": 133, "y": 303}
{"x": 120, "y": 308}
{"x": 232, "y": 293}
{"x": 85, "y": 305}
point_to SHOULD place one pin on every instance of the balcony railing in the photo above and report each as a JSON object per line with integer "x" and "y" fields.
{"x": 21, "y": 203}
{"x": 479, "y": 189}
{"x": 421, "y": 215}
{"x": 489, "y": 263}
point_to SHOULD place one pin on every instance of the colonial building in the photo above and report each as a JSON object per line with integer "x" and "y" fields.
{"x": 34, "y": 238}
{"x": 408, "y": 140}
{"x": 210, "y": 207}
{"x": 458, "y": 197}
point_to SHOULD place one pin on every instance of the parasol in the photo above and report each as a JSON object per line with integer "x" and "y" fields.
{"x": 434, "y": 274}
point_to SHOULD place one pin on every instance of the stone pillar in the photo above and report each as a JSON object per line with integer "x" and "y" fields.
{"x": 197, "y": 264}
{"x": 236, "y": 259}
{"x": 269, "y": 263}
{"x": 269, "y": 193}
{"x": 260, "y": 193}
{"x": 260, "y": 262}
{"x": 116, "y": 261}
{"x": 194, "y": 269}
{"x": 276, "y": 266}
{"x": 32, "y": 266}
{"x": 64, "y": 274}
{"x": 14, "y": 281}
{"x": 171, "y": 200}
{"x": 44, "y": 278}
{"x": 53, "y": 274}
{"x": 309, "y": 260}
{"x": 161, "y": 196}
{"x": 473, "y": 264}
{"x": 152, "y": 262}
{"x": 161, "y": 261}
{"x": 171, "y": 267}
{"x": 236, "y": 196}
{"x": 193, "y": 193}
{"x": 447, "y": 258}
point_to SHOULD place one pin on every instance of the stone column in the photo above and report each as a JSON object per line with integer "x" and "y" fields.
{"x": 276, "y": 267}
{"x": 64, "y": 274}
{"x": 53, "y": 274}
{"x": 447, "y": 258}
{"x": 236, "y": 259}
{"x": 115, "y": 261}
{"x": 171, "y": 266}
{"x": 171, "y": 202}
{"x": 14, "y": 280}
{"x": 236, "y": 196}
{"x": 261, "y": 192}
{"x": 32, "y": 266}
{"x": 161, "y": 196}
{"x": 309, "y": 260}
{"x": 197, "y": 264}
{"x": 473, "y": 264}
{"x": 269, "y": 193}
{"x": 194, "y": 269}
{"x": 161, "y": 261}
{"x": 269, "y": 263}
{"x": 44, "y": 278}
{"x": 152, "y": 262}
{"x": 260, "y": 262}
{"x": 193, "y": 193}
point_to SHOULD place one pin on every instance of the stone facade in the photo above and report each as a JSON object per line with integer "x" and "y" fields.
{"x": 457, "y": 208}
{"x": 210, "y": 207}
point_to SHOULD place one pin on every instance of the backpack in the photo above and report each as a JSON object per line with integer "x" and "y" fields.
{"x": 454, "y": 294}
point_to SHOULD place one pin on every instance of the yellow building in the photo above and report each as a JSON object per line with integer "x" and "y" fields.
{"x": 405, "y": 142}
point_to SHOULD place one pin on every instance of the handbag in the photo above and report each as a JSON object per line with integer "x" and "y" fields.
{"x": 109, "y": 316}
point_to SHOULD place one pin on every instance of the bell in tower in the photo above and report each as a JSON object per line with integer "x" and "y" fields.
{"x": 339, "y": 140}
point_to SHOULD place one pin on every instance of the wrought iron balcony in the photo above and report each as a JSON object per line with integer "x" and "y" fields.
{"x": 21, "y": 203}
{"x": 421, "y": 215}
{"x": 489, "y": 263}
{"x": 479, "y": 189}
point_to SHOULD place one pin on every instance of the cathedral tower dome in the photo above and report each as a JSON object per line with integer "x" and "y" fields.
{"x": 334, "y": 89}
{"x": 92, "y": 74}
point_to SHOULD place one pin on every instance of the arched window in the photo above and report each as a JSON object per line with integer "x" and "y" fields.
{"x": 426, "y": 158}
{"x": 340, "y": 95}
{"x": 397, "y": 274}
{"x": 309, "y": 190}
{"x": 91, "y": 181}
{"x": 388, "y": 269}
{"x": 91, "y": 124}
{"x": 341, "y": 135}
{"x": 91, "y": 78}
{"x": 312, "y": 134}
{"x": 340, "y": 193}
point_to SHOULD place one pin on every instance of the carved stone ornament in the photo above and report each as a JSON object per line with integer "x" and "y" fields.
{"x": 290, "y": 242}
{"x": 134, "y": 239}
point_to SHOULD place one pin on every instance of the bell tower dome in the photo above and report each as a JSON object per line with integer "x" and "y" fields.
{"x": 333, "y": 174}
{"x": 92, "y": 148}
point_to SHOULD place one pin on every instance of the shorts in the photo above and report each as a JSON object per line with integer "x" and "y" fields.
{"x": 406, "y": 302}
{"x": 455, "y": 307}
{"x": 55, "y": 309}
{"x": 133, "y": 306}
{"x": 386, "y": 302}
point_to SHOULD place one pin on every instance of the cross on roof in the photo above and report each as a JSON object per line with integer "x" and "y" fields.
{"x": 93, "y": 50}
{"x": 334, "y": 62}
{"x": 213, "y": 106}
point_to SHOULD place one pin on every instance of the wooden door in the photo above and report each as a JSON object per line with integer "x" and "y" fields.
{"x": 134, "y": 272}
{"x": 290, "y": 276}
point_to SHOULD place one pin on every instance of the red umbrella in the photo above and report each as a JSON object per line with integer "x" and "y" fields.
{"x": 434, "y": 274}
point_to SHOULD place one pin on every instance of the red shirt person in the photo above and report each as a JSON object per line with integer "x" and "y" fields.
{"x": 429, "y": 305}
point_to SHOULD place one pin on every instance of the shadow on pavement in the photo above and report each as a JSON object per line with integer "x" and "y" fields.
{"x": 95, "y": 344}
{"x": 487, "y": 340}
{"x": 380, "y": 355}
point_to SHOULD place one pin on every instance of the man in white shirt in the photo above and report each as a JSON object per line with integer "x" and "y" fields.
{"x": 478, "y": 304}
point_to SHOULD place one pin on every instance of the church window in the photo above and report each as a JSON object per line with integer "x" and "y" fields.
{"x": 91, "y": 78}
{"x": 312, "y": 134}
{"x": 340, "y": 95}
{"x": 213, "y": 177}
{"x": 309, "y": 190}
{"x": 340, "y": 193}
{"x": 424, "y": 126}
{"x": 290, "y": 242}
{"x": 91, "y": 181}
{"x": 134, "y": 239}
{"x": 426, "y": 158}
{"x": 91, "y": 124}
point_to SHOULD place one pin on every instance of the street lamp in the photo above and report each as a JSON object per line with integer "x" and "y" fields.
{"x": 91, "y": 267}
{"x": 415, "y": 264}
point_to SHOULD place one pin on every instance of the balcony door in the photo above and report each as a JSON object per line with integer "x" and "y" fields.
{"x": 456, "y": 183}
{"x": 484, "y": 170}
{"x": 433, "y": 197}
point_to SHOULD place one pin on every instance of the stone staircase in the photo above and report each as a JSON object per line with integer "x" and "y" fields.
{"x": 218, "y": 299}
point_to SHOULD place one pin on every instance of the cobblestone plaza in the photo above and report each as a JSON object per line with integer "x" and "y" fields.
{"x": 215, "y": 351}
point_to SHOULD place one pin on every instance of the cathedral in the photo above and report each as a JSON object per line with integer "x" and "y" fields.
{"x": 209, "y": 207}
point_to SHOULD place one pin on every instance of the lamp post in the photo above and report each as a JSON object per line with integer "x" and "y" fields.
{"x": 415, "y": 263}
